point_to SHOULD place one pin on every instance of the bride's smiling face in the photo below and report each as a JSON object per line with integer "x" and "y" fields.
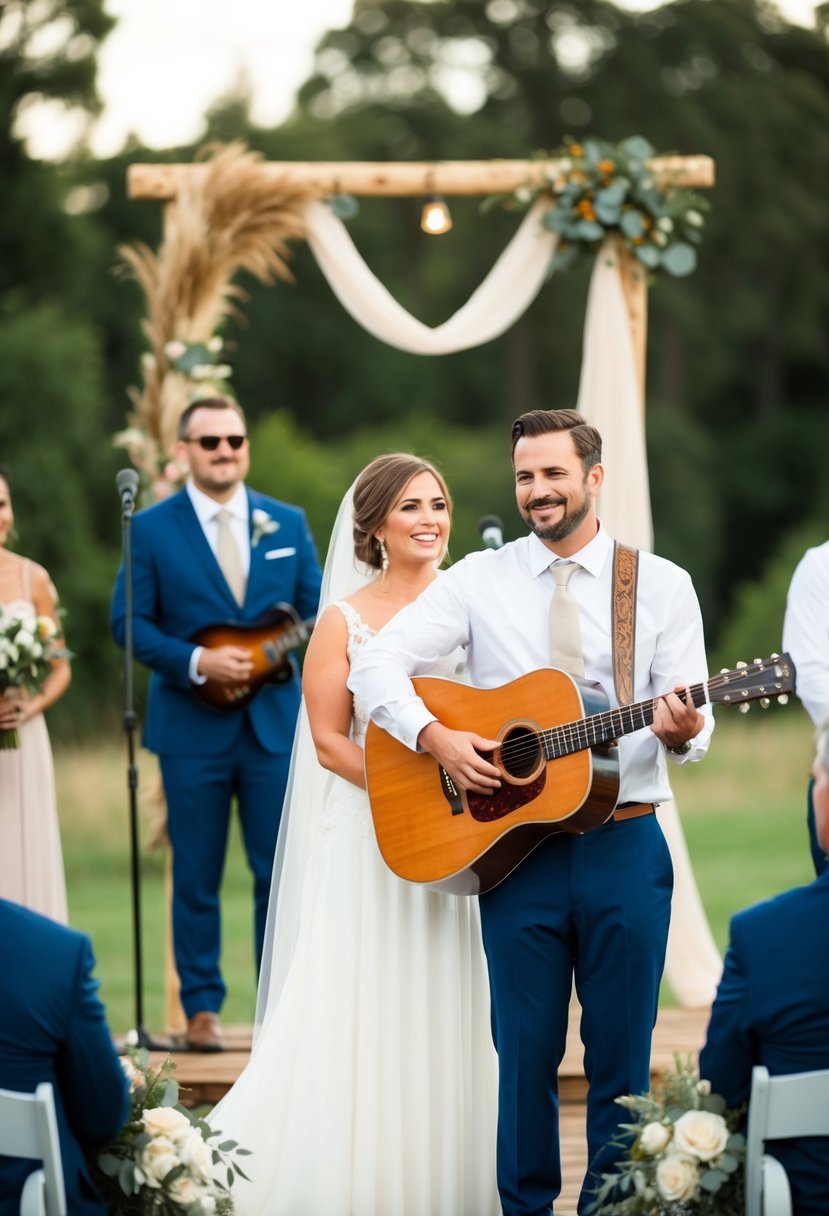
{"x": 417, "y": 527}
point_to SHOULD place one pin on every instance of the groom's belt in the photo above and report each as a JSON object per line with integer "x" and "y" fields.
{"x": 633, "y": 810}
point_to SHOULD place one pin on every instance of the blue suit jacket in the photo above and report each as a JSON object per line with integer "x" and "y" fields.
{"x": 772, "y": 1008}
{"x": 53, "y": 1028}
{"x": 178, "y": 589}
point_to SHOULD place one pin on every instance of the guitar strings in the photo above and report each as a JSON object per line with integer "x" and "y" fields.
{"x": 580, "y": 729}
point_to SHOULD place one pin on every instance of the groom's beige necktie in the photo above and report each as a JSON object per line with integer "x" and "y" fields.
{"x": 565, "y": 630}
{"x": 227, "y": 555}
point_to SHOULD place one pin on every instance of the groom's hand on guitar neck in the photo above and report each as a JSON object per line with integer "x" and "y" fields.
{"x": 458, "y": 751}
{"x": 676, "y": 721}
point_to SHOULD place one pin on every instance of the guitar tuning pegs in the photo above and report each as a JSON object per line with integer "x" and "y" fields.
{"x": 741, "y": 664}
{"x": 745, "y": 707}
{"x": 764, "y": 702}
{"x": 723, "y": 671}
{"x": 783, "y": 699}
{"x": 774, "y": 656}
{"x": 758, "y": 661}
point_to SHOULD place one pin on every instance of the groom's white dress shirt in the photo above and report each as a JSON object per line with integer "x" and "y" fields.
{"x": 806, "y": 630}
{"x": 496, "y": 604}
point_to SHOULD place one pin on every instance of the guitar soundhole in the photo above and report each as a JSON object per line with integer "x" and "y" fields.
{"x": 521, "y": 755}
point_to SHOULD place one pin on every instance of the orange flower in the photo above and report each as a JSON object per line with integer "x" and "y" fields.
{"x": 576, "y": 150}
{"x": 606, "y": 166}
{"x": 585, "y": 208}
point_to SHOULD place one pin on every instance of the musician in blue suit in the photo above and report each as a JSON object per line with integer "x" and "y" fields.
{"x": 217, "y": 552}
{"x": 772, "y": 1005}
{"x": 53, "y": 1028}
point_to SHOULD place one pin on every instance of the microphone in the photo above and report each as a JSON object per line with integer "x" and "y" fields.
{"x": 126, "y": 483}
{"x": 492, "y": 531}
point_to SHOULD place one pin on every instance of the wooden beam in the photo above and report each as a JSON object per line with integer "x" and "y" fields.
{"x": 406, "y": 179}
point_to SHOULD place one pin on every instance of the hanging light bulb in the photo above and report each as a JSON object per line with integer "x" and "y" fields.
{"x": 435, "y": 217}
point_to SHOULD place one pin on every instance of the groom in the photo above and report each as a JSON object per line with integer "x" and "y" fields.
{"x": 593, "y": 908}
{"x": 215, "y": 553}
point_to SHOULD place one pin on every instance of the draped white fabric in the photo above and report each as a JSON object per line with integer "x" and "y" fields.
{"x": 608, "y": 396}
{"x": 502, "y": 297}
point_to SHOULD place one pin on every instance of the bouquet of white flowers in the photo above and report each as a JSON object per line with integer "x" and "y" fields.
{"x": 28, "y": 644}
{"x": 163, "y": 1162}
{"x": 683, "y": 1156}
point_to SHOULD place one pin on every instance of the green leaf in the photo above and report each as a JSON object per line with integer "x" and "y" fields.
{"x": 344, "y": 206}
{"x": 680, "y": 259}
{"x": 587, "y": 230}
{"x": 649, "y": 256}
{"x": 712, "y": 1180}
{"x": 632, "y": 223}
{"x": 608, "y": 214}
{"x": 727, "y": 1164}
{"x": 611, "y": 196}
{"x": 564, "y": 258}
{"x": 637, "y": 148}
{"x": 556, "y": 219}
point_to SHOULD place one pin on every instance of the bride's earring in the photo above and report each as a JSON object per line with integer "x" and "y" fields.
{"x": 384, "y": 557}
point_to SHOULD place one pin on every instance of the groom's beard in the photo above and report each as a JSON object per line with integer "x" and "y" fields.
{"x": 574, "y": 514}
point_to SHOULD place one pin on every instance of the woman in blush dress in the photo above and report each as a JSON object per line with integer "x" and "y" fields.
{"x": 31, "y": 861}
{"x": 371, "y": 1089}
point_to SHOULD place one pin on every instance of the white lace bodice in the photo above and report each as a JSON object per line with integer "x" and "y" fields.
{"x": 452, "y": 667}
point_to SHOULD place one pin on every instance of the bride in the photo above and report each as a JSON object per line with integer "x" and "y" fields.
{"x": 371, "y": 1088}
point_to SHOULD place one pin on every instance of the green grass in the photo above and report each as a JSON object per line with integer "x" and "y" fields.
{"x": 742, "y": 810}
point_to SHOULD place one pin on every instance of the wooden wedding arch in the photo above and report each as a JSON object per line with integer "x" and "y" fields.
{"x": 297, "y": 182}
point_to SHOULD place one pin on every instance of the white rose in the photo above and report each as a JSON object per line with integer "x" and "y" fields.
{"x": 676, "y": 1177}
{"x": 701, "y": 1133}
{"x": 157, "y": 1159}
{"x": 184, "y": 1191}
{"x": 24, "y": 639}
{"x": 196, "y": 1154}
{"x": 174, "y": 350}
{"x": 655, "y": 1137}
{"x": 166, "y": 1121}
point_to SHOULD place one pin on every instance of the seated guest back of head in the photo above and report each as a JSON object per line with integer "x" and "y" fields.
{"x": 772, "y": 1006}
{"x": 53, "y": 1028}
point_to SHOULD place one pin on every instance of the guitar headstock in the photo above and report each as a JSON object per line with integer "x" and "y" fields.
{"x": 761, "y": 680}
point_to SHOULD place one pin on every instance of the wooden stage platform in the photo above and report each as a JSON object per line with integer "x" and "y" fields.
{"x": 204, "y": 1078}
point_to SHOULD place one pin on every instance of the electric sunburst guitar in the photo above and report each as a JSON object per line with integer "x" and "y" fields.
{"x": 268, "y": 641}
{"x": 559, "y": 777}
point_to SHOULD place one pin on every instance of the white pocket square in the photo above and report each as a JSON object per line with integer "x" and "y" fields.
{"x": 272, "y": 553}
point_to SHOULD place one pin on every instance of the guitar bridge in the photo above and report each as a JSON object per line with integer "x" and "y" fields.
{"x": 450, "y": 791}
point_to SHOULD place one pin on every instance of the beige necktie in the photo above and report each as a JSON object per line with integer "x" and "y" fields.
{"x": 565, "y": 630}
{"x": 227, "y": 555}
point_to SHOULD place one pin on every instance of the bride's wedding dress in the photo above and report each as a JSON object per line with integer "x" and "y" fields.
{"x": 372, "y": 1087}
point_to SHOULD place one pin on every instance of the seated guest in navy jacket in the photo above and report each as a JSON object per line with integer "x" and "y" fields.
{"x": 53, "y": 1028}
{"x": 772, "y": 1006}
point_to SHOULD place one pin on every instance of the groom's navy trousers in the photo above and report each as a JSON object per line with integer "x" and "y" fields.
{"x": 597, "y": 908}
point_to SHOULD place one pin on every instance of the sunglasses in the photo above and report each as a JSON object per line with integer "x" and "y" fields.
{"x": 211, "y": 442}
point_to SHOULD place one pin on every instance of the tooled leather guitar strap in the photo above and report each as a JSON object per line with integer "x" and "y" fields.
{"x": 623, "y": 618}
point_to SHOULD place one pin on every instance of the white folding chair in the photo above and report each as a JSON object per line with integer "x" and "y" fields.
{"x": 780, "y": 1108}
{"x": 28, "y": 1128}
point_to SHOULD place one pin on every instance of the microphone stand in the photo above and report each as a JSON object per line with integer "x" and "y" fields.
{"x": 139, "y": 1036}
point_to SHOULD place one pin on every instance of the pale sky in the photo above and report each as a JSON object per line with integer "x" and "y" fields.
{"x": 167, "y": 60}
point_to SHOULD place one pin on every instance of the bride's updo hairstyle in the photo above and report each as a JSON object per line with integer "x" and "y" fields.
{"x": 376, "y": 491}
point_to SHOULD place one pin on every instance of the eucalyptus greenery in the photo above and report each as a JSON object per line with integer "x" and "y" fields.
{"x": 602, "y": 189}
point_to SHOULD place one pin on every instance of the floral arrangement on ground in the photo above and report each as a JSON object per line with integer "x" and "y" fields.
{"x": 600, "y": 189}
{"x": 683, "y": 1154}
{"x": 164, "y": 1161}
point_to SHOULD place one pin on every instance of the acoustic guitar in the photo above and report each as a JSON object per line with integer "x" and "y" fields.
{"x": 268, "y": 642}
{"x": 559, "y": 777}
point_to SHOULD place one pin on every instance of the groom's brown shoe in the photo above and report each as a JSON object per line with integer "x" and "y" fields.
{"x": 204, "y": 1032}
